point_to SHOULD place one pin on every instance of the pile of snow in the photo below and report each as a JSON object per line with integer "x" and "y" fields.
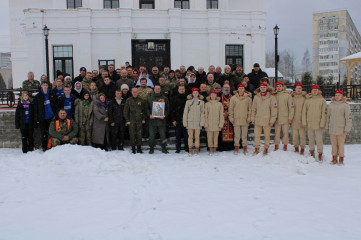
{"x": 73, "y": 192}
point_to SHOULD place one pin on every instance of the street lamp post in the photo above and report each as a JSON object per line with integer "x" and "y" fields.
{"x": 277, "y": 58}
{"x": 46, "y": 34}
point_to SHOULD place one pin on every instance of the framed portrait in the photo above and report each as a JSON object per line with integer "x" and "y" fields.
{"x": 158, "y": 109}
{"x": 150, "y": 45}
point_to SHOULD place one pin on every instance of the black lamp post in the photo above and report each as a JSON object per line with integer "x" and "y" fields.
{"x": 46, "y": 34}
{"x": 277, "y": 58}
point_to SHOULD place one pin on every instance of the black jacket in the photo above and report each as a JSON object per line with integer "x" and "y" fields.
{"x": 255, "y": 78}
{"x": 39, "y": 105}
{"x": 114, "y": 76}
{"x": 108, "y": 90}
{"x": 177, "y": 109}
{"x": 115, "y": 112}
{"x": 20, "y": 116}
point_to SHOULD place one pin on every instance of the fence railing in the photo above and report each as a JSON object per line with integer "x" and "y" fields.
{"x": 9, "y": 97}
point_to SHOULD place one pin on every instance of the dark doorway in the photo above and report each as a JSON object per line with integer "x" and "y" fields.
{"x": 150, "y": 53}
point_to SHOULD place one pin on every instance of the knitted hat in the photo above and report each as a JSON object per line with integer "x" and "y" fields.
{"x": 124, "y": 86}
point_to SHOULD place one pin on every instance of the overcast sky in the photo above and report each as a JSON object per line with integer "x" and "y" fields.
{"x": 294, "y": 18}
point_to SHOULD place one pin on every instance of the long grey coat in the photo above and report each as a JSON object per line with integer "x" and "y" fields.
{"x": 100, "y": 128}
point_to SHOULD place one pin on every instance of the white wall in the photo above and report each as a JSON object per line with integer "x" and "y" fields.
{"x": 197, "y": 36}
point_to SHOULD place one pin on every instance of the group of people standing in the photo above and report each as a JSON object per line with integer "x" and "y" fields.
{"x": 102, "y": 109}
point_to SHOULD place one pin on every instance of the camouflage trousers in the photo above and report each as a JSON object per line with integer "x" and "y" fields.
{"x": 85, "y": 136}
{"x": 135, "y": 133}
{"x": 55, "y": 141}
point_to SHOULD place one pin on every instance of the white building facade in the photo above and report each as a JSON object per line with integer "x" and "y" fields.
{"x": 90, "y": 33}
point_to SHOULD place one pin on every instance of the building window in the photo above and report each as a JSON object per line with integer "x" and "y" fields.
{"x": 212, "y": 4}
{"x": 63, "y": 59}
{"x": 73, "y": 3}
{"x": 111, "y": 3}
{"x": 234, "y": 55}
{"x": 146, "y": 4}
{"x": 183, "y": 4}
{"x": 106, "y": 63}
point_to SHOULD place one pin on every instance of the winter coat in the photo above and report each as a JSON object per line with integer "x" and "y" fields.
{"x": 108, "y": 90}
{"x": 166, "y": 90}
{"x": 314, "y": 113}
{"x": 286, "y": 107}
{"x": 39, "y": 101}
{"x": 339, "y": 117}
{"x": 94, "y": 94}
{"x": 115, "y": 112}
{"x": 213, "y": 115}
{"x": 86, "y": 84}
{"x": 211, "y": 87}
{"x": 100, "y": 128}
{"x": 20, "y": 115}
{"x": 193, "y": 115}
{"x": 79, "y": 114}
{"x": 76, "y": 93}
{"x": 157, "y": 98}
{"x": 71, "y": 132}
{"x": 264, "y": 109}
{"x": 240, "y": 109}
{"x": 299, "y": 101}
{"x": 145, "y": 92}
{"x": 255, "y": 78}
{"x": 177, "y": 109}
{"x": 127, "y": 81}
{"x": 135, "y": 110}
{"x": 61, "y": 104}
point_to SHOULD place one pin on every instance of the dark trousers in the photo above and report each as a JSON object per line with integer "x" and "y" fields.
{"x": 152, "y": 132}
{"x": 27, "y": 139}
{"x": 44, "y": 128}
{"x": 117, "y": 135}
{"x": 181, "y": 132}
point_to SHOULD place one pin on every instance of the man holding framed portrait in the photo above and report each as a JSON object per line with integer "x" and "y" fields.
{"x": 157, "y": 110}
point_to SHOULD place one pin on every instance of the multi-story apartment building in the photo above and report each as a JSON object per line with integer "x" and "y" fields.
{"x": 89, "y": 33}
{"x": 334, "y": 37}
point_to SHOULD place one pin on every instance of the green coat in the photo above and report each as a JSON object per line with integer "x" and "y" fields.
{"x": 157, "y": 98}
{"x": 31, "y": 86}
{"x": 135, "y": 110}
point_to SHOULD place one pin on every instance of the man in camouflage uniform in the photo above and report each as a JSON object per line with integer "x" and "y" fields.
{"x": 63, "y": 130}
{"x": 31, "y": 85}
{"x": 157, "y": 123}
{"x": 87, "y": 81}
{"x": 134, "y": 114}
{"x": 166, "y": 89}
{"x": 130, "y": 75}
{"x": 144, "y": 93}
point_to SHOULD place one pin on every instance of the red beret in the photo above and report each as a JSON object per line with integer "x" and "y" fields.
{"x": 263, "y": 84}
{"x": 298, "y": 84}
{"x": 213, "y": 91}
{"x": 195, "y": 89}
{"x": 241, "y": 85}
{"x": 279, "y": 83}
{"x": 315, "y": 87}
{"x": 339, "y": 91}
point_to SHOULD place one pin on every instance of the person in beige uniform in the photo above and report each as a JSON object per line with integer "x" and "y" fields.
{"x": 264, "y": 114}
{"x": 286, "y": 110}
{"x": 314, "y": 118}
{"x": 298, "y": 131}
{"x": 240, "y": 109}
{"x": 213, "y": 120}
{"x": 193, "y": 118}
{"x": 339, "y": 122}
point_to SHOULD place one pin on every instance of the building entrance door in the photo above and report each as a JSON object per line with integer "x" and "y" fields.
{"x": 150, "y": 53}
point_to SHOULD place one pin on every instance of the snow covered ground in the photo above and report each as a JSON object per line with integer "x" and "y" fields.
{"x": 73, "y": 192}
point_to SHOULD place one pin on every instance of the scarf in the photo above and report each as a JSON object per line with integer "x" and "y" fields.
{"x": 105, "y": 104}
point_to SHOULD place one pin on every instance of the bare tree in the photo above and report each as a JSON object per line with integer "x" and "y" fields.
{"x": 270, "y": 59}
{"x": 306, "y": 61}
{"x": 287, "y": 64}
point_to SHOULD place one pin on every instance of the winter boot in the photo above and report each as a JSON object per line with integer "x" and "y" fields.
{"x": 164, "y": 150}
{"x": 296, "y": 149}
{"x": 197, "y": 151}
{"x": 319, "y": 156}
{"x": 302, "y": 152}
{"x": 334, "y": 160}
{"x": 285, "y": 147}
{"x": 178, "y": 151}
{"x": 151, "y": 150}
{"x": 256, "y": 151}
{"x": 245, "y": 150}
{"x": 236, "y": 148}
{"x": 133, "y": 150}
{"x": 139, "y": 149}
{"x": 265, "y": 151}
{"x": 340, "y": 161}
{"x": 276, "y": 147}
{"x": 312, "y": 152}
{"x": 190, "y": 153}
